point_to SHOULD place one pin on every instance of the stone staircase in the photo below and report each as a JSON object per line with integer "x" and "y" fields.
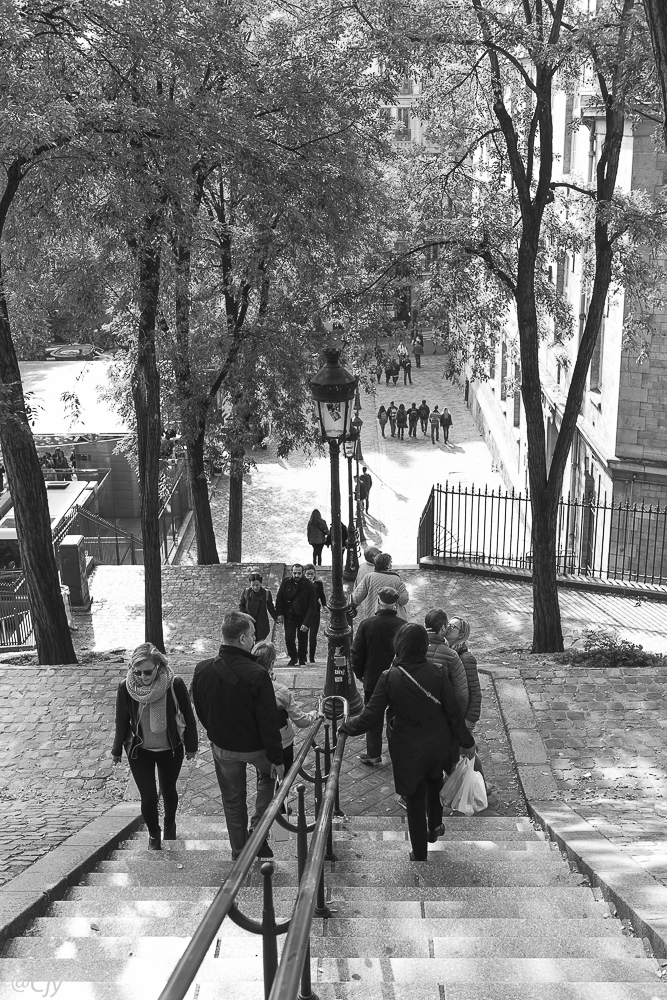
{"x": 495, "y": 914}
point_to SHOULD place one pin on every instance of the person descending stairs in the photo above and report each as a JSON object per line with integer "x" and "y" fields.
{"x": 494, "y": 914}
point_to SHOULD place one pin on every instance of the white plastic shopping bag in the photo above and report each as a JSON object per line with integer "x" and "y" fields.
{"x": 464, "y": 791}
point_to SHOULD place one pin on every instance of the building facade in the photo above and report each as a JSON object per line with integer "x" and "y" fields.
{"x": 619, "y": 452}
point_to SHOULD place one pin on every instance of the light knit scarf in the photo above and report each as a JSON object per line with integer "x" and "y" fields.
{"x": 157, "y": 714}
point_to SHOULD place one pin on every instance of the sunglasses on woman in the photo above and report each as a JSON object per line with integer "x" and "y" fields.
{"x": 145, "y": 673}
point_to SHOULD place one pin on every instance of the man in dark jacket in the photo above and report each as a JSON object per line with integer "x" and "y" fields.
{"x": 258, "y": 603}
{"x": 296, "y": 606}
{"x": 424, "y": 411}
{"x": 234, "y": 698}
{"x": 367, "y": 479}
{"x": 372, "y": 653}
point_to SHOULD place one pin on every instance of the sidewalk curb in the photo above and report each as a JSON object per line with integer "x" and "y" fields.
{"x": 636, "y": 895}
{"x": 29, "y": 894}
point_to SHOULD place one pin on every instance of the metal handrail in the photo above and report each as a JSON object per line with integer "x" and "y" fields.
{"x": 296, "y": 950}
{"x": 181, "y": 978}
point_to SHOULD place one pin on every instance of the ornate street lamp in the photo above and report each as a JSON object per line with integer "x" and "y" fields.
{"x": 352, "y": 559}
{"x": 333, "y": 390}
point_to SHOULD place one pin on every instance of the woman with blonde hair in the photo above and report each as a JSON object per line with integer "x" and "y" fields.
{"x": 156, "y": 725}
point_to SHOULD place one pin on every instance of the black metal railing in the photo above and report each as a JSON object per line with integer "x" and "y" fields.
{"x": 15, "y": 618}
{"x": 104, "y": 541}
{"x": 608, "y": 541}
{"x": 308, "y": 863}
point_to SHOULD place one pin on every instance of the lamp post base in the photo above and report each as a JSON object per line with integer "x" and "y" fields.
{"x": 339, "y": 676}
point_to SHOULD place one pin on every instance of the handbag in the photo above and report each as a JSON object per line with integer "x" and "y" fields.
{"x": 180, "y": 718}
{"x": 464, "y": 789}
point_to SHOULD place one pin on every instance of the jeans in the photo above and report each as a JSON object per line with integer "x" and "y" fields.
{"x": 413, "y": 431}
{"x": 418, "y": 359}
{"x": 401, "y": 433}
{"x": 435, "y": 433}
{"x": 312, "y": 638}
{"x": 445, "y": 434}
{"x": 407, "y": 376}
{"x": 423, "y": 804}
{"x": 374, "y": 735}
{"x": 293, "y": 634}
{"x": 168, "y": 765}
{"x": 423, "y": 421}
{"x": 392, "y": 424}
{"x": 230, "y": 770}
{"x": 317, "y": 553}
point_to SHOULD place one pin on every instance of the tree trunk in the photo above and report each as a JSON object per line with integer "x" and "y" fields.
{"x": 146, "y": 396}
{"x": 235, "y": 522}
{"x": 193, "y": 419}
{"x": 31, "y": 510}
{"x": 26, "y": 484}
{"x": 656, "y": 14}
{"x": 207, "y": 551}
{"x": 547, "y": 631}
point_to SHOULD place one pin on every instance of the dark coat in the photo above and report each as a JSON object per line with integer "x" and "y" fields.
{"x": 317, "y": 531}
{"x": 128, "y": 730}
{"x": 297, "y": 599}
{"x": 234, "y": 699}
{"x": 373, "y": 647}
{"x": 321, "y": 600}
{"x": 401, "y": 418}
{"x": 413, "y": 416}
{"x": 424, "y": 410}
{"x": 259, "y": 606}
{"x": 446, "y": 420}
{"x": 423, "y": 737}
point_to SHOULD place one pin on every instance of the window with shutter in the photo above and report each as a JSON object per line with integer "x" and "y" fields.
{"x": 517, "y": 396}
{"x": 503, "y": 371}
{"x": 569, "y": 134}
{"x": 596, "y": 361}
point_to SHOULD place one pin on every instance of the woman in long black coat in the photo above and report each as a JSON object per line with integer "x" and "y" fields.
{"x": 424, "y": 731}
{"x": 257, "y": 602}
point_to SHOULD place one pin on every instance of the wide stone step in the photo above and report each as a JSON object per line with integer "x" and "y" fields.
{"x": 495, "y": 969}
{"x": 354, "y": 901}
{"x": 480, "y": 970}
{"x": 391, "y": 840}
{"x": 368, "y": 991}
{"x": 364, "y": 859}
{"x": 184, "y": 922}
{"x": 164, "y": 948}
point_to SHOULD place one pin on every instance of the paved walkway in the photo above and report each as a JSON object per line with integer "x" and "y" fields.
{"x": 279, "y": 494}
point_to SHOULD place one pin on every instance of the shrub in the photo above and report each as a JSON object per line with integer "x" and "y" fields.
{"x": 604, "y": 649}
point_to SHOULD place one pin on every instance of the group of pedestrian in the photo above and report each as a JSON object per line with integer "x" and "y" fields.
{"x": 298, "y": 606}
{"x": 247, "y": 716}
{"x": 425, "y": 679}
{"x": 399, "y": 419}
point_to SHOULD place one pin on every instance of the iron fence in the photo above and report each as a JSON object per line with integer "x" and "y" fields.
{"x": 15, "y": 618}
{"x": 172, "y": 514}
{"x": 617, "y": 541}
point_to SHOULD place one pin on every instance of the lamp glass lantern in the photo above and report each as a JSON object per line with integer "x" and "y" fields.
{"x": 333, "y": 389}
{"x": 350, "y": 443}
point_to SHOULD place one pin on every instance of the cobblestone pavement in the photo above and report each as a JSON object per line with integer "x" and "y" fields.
{"x": 605, "y": 734}
{"x": 280, "y": 494}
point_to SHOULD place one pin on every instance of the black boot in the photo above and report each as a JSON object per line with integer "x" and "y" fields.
{"x": 155, "y": 843}
{"x": 169, "y": 830}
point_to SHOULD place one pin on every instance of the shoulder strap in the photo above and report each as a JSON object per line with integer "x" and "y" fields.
{"x": 422, "y": 689}
{"x": 177, "y": 706}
